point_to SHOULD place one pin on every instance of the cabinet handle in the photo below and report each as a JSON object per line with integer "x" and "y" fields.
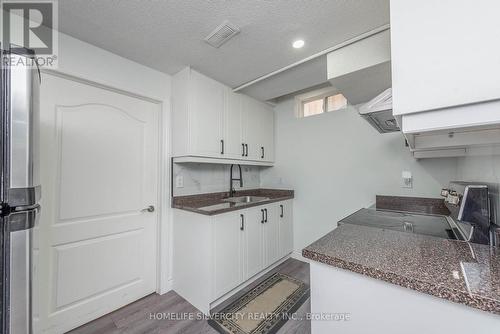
{"x": 262, "y": 211}
{"x": 242, "y": 226}
{"x": 243, "y": 149}
{"x": 246, "y": 148}
{"x": 222, "y": 146}
{"x": 262, "y": 150}
{"x": 281, "y": 206}
{"x": 266, "y": 215}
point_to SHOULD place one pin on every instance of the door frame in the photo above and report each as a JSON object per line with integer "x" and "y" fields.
{"x": 164, "y": 249}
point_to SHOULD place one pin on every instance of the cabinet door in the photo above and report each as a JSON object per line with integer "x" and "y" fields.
{"x": 233, "y": 131}
{"x": 252, "y": 127}
{"x": 285, "y": 228}
{"x": 206, "y": 111}
{"x": 444, "y": 62}
{"x": 267, "y": 133}
{"x": 271, "y": 235}
{"x": 254, "y": 246}
{"x": 227, "y": 245}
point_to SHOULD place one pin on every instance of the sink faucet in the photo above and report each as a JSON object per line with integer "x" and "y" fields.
{"x": 231, "y": 188}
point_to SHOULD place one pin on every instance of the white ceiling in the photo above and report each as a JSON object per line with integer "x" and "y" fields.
{"x": 168, "y": 35}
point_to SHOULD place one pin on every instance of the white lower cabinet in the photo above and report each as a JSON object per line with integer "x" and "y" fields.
{"x": 285, "y": 228}
{"x": 213, "y": 255}
{"x": 270, "y": 234}
{"x": 254, "y": 245}
{"x": 228, "y": 251}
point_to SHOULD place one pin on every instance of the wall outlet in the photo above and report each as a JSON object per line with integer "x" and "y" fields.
{"x": 407, "y": 179}
{"x": 179, "y": 181}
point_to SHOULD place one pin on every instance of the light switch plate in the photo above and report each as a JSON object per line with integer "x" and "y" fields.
{"x": 406, "y": 179}
{"x": 179, "y": 181}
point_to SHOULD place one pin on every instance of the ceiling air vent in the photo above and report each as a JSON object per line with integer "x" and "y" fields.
{"x": 222, "y": 34}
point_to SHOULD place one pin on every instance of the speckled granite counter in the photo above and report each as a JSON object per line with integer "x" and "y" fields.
{"x": 454, "y": 270}
{"x": 212, "y": 203}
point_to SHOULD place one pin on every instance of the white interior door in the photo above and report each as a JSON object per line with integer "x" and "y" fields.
{"x": 99, "y": 169}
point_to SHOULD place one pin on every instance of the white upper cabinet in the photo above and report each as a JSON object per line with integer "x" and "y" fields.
{"x": 445, "y": 82}
{"x": 233, "y": 122}
{"x": 198, "y": 111}
{"x": 258, "y": 130}
{"x": 211, "y": 121}
{"x": 206, "y": 114}
{"x": 267, "y": 131}
{"x": 444, "y": 54}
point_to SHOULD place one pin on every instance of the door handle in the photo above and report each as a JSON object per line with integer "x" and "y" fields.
{"x": 262, "y": 211}
{"x": 262, "y": 150}
{"x": 246, "y": 149}
{"x": 243, "y": 149}
{"x": 281, "y": 206}
{"x": 222, "y": 146}
{"x": 242, "y": 226}
{"x": 266, "y": 215}
{"x": 150, "y": 208}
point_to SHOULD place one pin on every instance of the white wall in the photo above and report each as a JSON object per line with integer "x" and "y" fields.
{"x": 479, "y": 168}
{"x": 209, "y": 178}
{"x": 89, "y": 62}
{"x": 337, "y": 163}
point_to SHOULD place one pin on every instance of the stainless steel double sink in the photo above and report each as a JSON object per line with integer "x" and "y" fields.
{"x": 246, "y": 199}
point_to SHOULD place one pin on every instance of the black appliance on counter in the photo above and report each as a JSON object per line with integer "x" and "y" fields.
{"x": 474, "y": 207}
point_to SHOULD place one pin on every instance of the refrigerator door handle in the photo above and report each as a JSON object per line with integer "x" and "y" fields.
{"x": 24, "y": 196}
{"x": 23, "y": 220}
{"x": 21, "y": 164}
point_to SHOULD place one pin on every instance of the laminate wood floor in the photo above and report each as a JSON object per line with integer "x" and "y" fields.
{"x": 136, "y": 318}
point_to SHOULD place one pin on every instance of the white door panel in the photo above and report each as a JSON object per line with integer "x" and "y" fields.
{"x": 92, "y": 160}
{"x": 80, "y": 266}
{"x": 99, "y": 158}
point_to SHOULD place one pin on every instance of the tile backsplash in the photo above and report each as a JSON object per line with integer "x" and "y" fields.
{"x": 207, "y": 178}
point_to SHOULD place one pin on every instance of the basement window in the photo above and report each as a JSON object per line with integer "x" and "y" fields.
{"x": 319, "y": 102}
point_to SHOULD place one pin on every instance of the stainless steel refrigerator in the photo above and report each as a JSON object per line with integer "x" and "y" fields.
{"x": 20, "y": 186}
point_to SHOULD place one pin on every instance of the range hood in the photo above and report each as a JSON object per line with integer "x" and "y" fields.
{"x": 378, "y": 112}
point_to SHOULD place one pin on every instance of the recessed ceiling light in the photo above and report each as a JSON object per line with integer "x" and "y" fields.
{"x": 298, "y": 44}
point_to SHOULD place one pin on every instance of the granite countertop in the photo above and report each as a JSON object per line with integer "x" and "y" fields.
{"x": 458, "y": 271}
{"x": 212, "y": 203}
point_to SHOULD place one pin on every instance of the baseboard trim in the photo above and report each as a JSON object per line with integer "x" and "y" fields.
{"x": 298, "y": 256}
{"x": 252, "y": 279}
{"x": 169, "y": 286}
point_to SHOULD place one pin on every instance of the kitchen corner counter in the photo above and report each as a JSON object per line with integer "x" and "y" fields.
{"x": 457, "y": 271}
{"x": 212, "y": 203}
